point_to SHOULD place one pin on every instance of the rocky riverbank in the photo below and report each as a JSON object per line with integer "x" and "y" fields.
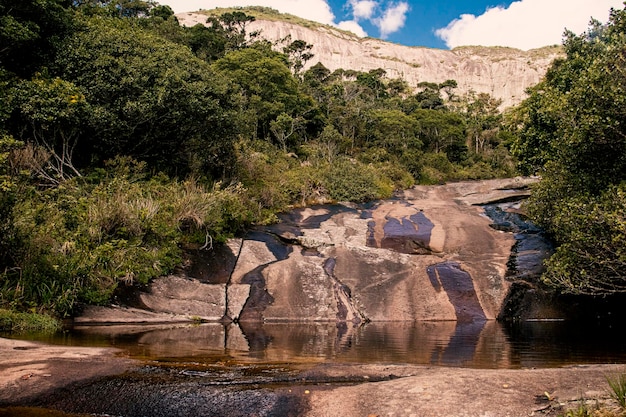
{"x": 36, "y": 377}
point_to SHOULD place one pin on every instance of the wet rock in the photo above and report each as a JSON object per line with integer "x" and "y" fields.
{"x": 236, "y": 297}
{"x": 459, "y": 287}
{"x": 428, "y": 254}
{"x": 188, "y": 297}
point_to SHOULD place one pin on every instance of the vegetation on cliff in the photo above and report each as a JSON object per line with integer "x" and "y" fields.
{"x": 125, "y": 137}
{"x": 572, "y": 132}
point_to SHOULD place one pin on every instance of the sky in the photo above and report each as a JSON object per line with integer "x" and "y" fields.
{"x": 444, "y": 24}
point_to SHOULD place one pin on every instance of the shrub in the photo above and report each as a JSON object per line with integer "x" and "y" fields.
{"x": 11, "y": 321}
{"x": 84, "y": 238}
{"x": 348, "y": 180}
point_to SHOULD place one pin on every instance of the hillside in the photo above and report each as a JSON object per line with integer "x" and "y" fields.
{"x": 505, "y": 73}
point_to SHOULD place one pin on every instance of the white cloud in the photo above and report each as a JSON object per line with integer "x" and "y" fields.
{"x": 393, "y": 19}
{"x": 316, "y": 10}
{"x": 352, "y": 26}
{"x": 363, "y": 9}
{"x": 526, "y": 24}
{"x": 388, "y": 18}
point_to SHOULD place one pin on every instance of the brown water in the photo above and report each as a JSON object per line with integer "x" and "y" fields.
{"x": 473, "y": 345}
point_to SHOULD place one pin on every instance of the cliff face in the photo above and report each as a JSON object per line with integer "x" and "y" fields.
{"x": 504, "y": 73}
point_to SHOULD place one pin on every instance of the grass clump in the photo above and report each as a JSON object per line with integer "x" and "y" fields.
{"x": 618, "y": 389}
{"x": 15, "y": 322}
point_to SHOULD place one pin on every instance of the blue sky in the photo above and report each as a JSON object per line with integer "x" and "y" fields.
{"x": 422, "y": 19}
{"x": 523, "y": 24}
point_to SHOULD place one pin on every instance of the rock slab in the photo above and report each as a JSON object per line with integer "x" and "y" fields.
{"x": 427, "y": 255}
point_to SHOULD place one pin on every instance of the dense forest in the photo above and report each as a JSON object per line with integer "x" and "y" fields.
{"x": 126, "y": 137}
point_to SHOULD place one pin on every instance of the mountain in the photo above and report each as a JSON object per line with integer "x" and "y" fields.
{"x": 504, "y": 73}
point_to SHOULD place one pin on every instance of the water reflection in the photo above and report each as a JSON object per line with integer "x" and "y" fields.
{"x": 482, "y": 344}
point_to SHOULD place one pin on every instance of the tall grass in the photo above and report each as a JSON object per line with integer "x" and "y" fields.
{"x": 83, "y": 239}
{"x": 617, "y": 384}
{"x": 11, "y": 321}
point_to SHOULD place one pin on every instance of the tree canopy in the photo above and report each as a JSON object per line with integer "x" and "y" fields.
{"x": 572, "y": 132}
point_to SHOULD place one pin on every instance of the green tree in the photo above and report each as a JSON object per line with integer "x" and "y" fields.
{"x": 266, "y": 84}
{"x": 48, "y": 116}
{"x": 441, "y": 131}
{"x": 8, "y": 197}
{"x": 150, "y": 99}
{"x": 232, "y": 26}
{"x": 484, "y": 120}
{"x": 429, "y": 97}
{"x": 299, "y": 53}
{"x": 30, "y": 33}
{"x": 572, "y": 130}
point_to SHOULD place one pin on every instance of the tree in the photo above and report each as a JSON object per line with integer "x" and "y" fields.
{"x": 267, "y": 86}
{"x": 571, "y": 128}
{"x": 441, "y": 131}
{"x": 233, "y": 27}
{"x": 164, "y": 12}
{"x": 118, "y": 8}
{"x": 483, "y": 120}
{"x": 48, "y": 115}
{"x": 284, "y": 127}
{"x": 396, "y": 134}
{"x": 8, "y": 198}
{"x": 30, "y": 32}
{"x": 150, "y": 99}
{"x": 429, "y": 97}
{"x": 299, "y": 53}
{"x": 373, "y": 81}
{"x": 207, "y": 42}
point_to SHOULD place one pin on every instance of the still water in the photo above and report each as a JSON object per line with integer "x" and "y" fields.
{"x": 472, "y": 345}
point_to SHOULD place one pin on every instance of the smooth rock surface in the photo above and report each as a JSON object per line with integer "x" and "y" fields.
{"x": 428, "y": 254}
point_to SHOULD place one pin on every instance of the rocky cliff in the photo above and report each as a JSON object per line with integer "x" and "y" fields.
{"x": 504, "y": 73}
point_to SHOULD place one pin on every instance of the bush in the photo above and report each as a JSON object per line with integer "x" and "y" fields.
{"x": 11, "y": 321}
{"x": 84, "y": 238}
{"x": 348, "y": 180}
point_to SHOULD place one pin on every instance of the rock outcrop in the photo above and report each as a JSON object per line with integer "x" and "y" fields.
{"x": 504, "y": 73}
{"x": 427, "y": 255}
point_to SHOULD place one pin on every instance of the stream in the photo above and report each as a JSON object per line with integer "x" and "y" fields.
{"x": 479, "y": 344}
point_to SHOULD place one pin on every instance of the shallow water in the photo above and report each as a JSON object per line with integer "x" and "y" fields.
{"x": 471, "y": 345}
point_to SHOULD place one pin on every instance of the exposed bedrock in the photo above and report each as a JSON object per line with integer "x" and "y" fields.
{"x": 428, "y": 254}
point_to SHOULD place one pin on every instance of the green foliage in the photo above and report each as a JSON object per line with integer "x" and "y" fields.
{"x": 15, "y": 322}
{"x": 150, "y": 99}
{"x": 277, "y": 181}
{"x": 348, "y": 180}
{"x": 591, "y": 257}
{"x": 442, "y": 131}
{"x": 618, "y": 389}
{"x": 30, "y": 32}
{"x": 83, "y": 238}
{"x": 267, "y": 85}
{"x": 48, "y": 114}
{"x": 572, "y": 132}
